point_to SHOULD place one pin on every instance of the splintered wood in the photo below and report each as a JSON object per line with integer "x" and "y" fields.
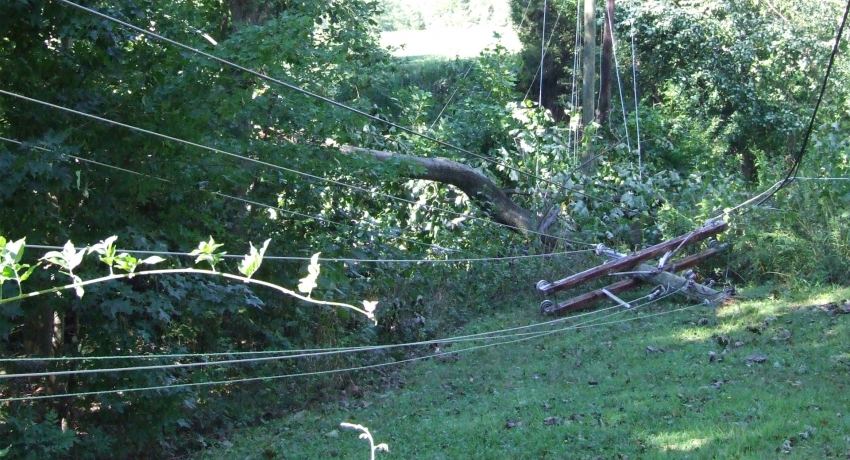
{"x": 636, "y": 273}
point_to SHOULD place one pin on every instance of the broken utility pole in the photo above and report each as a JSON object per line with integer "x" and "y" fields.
{"x": 663, "y": 276}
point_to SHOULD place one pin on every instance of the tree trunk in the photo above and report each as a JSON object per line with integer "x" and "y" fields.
{"x": 478, "y": 187}
{"x": 606, "y": 65}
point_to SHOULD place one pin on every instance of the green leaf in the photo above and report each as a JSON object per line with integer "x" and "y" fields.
{"x": 308, "y": 283}
{"x": 126, "y": 262}
{"x": 68, "y": 259}
{"x": 28, "y": 272}
{"x": 105, "y": 248}
{"x": 14, "y": 250}
{"x": 55, "y": 257}
{"x": 6, "y": 273}
{"x": 78, "y": 289}
{"x": 206, "y": 253}
{"x": 251, "y": 263}
{"x": 76, "y": 259}
{"x": 152, "y": 260}
{"x": 5, "y": 451}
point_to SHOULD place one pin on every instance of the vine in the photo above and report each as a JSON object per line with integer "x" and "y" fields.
{"x": 11, "y": 269}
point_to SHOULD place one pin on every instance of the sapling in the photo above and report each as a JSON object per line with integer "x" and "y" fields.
{"x": 365, "y": 434}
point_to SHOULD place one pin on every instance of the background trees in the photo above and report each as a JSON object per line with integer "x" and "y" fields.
{"x": 725, "y": 91}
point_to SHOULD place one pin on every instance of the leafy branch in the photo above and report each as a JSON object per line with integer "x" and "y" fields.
{"x": 70, "y": 258}
{"x": 11, "y": 253}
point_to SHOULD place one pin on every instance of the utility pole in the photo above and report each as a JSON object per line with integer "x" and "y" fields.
{"x": 606, "y": 66}
{"x": 588, "y": 92}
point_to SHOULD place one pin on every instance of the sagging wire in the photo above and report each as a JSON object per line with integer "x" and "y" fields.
{"x": 313, "y": 95}
{"x": 435, "y": 247}
{"x": 282, "y": 168}
{"x": 523, "y": 337}
{"x": 798, "y": 158}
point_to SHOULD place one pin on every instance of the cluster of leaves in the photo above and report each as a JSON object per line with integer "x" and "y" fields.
{"x": 66, "y": 56}
{"x": 558, "y": 62}
{"x": 69, "y": 259}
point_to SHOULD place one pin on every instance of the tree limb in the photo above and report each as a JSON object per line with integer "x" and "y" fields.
{"x": 478, "y": 187}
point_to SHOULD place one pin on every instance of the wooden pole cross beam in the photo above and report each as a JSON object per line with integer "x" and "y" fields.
{"x": 710, "y": 229}
{"x": 651, "y": 275}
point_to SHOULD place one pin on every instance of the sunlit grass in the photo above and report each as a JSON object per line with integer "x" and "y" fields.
{"x": 452, "y": 42}
{"x": 645, "y": 388}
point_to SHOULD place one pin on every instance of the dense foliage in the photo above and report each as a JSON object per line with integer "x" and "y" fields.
{"x": 559, "y": 63}
{"x": 726, "y": 89}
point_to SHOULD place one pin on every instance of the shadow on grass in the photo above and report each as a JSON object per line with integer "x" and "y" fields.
{"x": 758, "y": 379}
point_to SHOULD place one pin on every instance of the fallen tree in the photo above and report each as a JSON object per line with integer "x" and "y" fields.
{"x": 478, "y": 187}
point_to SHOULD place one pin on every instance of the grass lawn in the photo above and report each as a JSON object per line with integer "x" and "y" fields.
{"x": 449, "y": 42}
{"x": 753, "y": 380}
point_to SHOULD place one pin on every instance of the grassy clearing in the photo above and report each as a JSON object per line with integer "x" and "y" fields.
{"x": 642, "y": 387}
{"x": 449, "y": 42}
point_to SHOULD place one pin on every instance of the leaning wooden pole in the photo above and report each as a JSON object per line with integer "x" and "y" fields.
{"x": 588, "y": 56}
{"x": 606, "y": 66}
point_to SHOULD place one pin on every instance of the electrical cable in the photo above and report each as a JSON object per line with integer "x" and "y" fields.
{"x": 791, "y": 175}
{"x": 543, "y": 51}
{"x": 489, "y": 336}
{"x": 350, "y": 369}
{"x": 449, "y": 101}
{"x": 324, "y": 351}
{"x": 573, "y": 139}
{"x": 798, "y": 158}
{"x": 250, "y": 202}
{"x": 502, "y": 333}
{"x": 341, "y": 259}
{"x": 823, "y": 178}
{"x": 513, "y": 339}
{"x": 635, "y": 85}
{"x": 543, "y": 55}
{"x": 283, "y": 168}
{"x": 620, "y": 84}
{"x": 307, "y": 92}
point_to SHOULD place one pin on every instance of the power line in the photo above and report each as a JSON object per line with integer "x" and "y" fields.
{"x": 345, "y": 259}
{"x": 823, "y": 178}
{"x": 543, "y": 54}
{"x": 305, "y": 259}
{"x": 792, "y": 173}
{"x": 333, "y": 371}
{"x": 308, "y": 93}
{"x": 487, "y": 336}
{"x": 798, "y": 158}
{"x": 502, "y": 333}
{"x": 635, "y": 85}
{"x": 543, "y": 51}
{"x": 620, "y": 87}
{"x": 339, "y": 104}
{"x": 318, "y": 351}
{"x": 246, "y": 201}
{"x": 449, "y": 101}
{"x": 283, "y": 168}
{"x": 523, "y": 337}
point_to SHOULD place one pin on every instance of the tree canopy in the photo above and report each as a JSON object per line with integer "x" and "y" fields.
{"x": 332, "y": 146}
